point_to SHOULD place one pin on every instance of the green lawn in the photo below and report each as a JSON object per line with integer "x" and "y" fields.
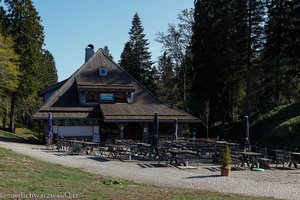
{"x": 24, "y": 175}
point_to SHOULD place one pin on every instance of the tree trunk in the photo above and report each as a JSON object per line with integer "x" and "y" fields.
{"x": 12, "y": 113}
{"x": 4, "y": 119}
{"x": 207, "y": 120}
{"x": 249, "y": 68}
{"x": 184, "y": 84}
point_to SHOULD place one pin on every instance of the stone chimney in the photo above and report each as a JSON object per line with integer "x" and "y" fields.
{"x": 89, "y": 52}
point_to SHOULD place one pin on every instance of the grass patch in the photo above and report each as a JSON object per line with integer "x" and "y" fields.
{"x": 22, "y": 134}
{"x": 22, "y": 174}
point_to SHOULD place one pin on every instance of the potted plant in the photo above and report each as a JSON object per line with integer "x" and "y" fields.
{"x": 225, "y": 161}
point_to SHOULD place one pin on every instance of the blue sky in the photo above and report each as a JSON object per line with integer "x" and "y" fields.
{"x": 70, "y": 25}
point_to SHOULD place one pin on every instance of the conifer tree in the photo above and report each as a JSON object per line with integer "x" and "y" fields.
{"x": 167, "y": 85}
{"x": 107, "y": 52}
{"x": 126, "y": 58}
{"x": 3, "y": 21}
{"x": 49, "y": 68}
{"x": 293, "y": 49}
{"x": 136, "y": 58}
{"x": 277, "y": 81}
{"x": 9, "y": 75}
{"x": 219, "y": 50}
{"x": 255, "y": 43}
{"x": 28, "y": 36}
{"x": 209, "y": 57}
{"x": 26, "y": 30}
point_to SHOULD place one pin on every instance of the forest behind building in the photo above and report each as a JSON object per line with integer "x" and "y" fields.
{"x": 221, "y": 61}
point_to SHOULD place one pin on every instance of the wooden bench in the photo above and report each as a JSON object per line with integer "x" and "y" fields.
{"x": 282, "y": 157}
{"x": 236, "y": 159}
{"x": 265, "y": 160}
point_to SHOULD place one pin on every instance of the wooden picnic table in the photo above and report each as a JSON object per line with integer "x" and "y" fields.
{"x": 295, "y": 159}
{"x": 88, "y": 147}
{"x": 252, "y": 157}
{"x": 280, "y": 156}
{"x": 115, "y": 151}
{"x": 180, "y": 156}
{"x": 76, "y": 146}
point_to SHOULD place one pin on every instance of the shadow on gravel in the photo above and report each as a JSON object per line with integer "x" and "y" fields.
{"x": 283, "y": 168}
{"x": 145, "y": 165}
{"x": 99, "y": 159}
{"x": 209, "y": 176}
{"x": 212, "y": 169}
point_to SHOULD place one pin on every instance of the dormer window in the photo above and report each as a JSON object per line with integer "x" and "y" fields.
{"x": 107, "y": 97}
{"x": 102, "y": 71}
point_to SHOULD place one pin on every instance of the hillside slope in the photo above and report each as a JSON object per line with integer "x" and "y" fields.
{"x": 279, "y": 127}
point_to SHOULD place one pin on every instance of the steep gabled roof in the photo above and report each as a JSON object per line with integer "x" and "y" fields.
{"x": 64, "y": 103}
{"x": 52, "y": 87}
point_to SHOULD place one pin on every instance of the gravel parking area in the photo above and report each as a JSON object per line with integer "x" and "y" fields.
{"x": 277, "y": 183}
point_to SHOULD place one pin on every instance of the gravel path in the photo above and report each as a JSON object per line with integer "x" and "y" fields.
{"x": 281, "y": 184}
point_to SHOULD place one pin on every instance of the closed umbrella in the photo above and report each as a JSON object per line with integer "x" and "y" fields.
{"x": 247, "y": 145}
{"x": 49, "y": 128}
{"x": 155, "y": 140}
{"x": 175, "y": 128}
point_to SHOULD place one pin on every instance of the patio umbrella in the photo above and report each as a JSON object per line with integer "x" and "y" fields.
{"x": 175, "y": 128}
{"x": 246, "y": 139}
{"x": 49, "y": 128}
{"x": 155, "y": 139}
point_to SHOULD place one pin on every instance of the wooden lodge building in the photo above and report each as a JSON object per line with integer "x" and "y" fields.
{"x": 103, "y": 101}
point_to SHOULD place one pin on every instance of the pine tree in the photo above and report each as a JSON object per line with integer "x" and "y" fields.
{"x": 255, "y": 43}
{"x": 235, "y": 52}
{"x": 126, "y": 58}
{"x": 219, "y": 52}
{"x": 209, "y": 57}
{"x": 27, "y": 33}
{"x": 167, "y": 86}
{"x": 49, "y": 68}
{"x": 106, "y": 51}
{"x": 136, "y": 58}
{"x": 9, "y": 75}
{"x": 3, "y": 21}
{"x": 293, "y": 49}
